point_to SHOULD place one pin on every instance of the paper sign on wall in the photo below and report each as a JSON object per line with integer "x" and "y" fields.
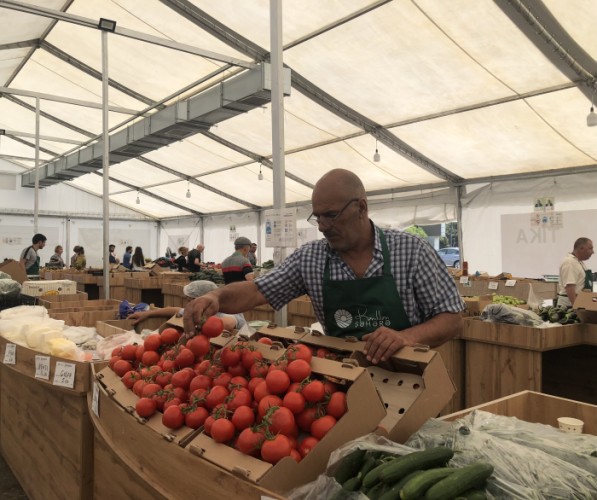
{"x": 280, "y": 228}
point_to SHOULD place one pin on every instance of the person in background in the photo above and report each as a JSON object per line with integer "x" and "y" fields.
{"x": 384, "y": 286}
{"x": 112, "y": 257}
{"x": 194, "y": 258}
{"x": 73, "y": 259}
{"x": 56, "y": 259}
{"x": 237, "y": 267}
{"x": 80, "y": 261}
{"x": 252, "y": 256}
{"x": 574, "y": 276}
{"x": 192, "y": 290}
{"x": 126, "y": 258}
{"x": 138, "y": 261}
{"x": 181, "y": 260}
{"x": 29, "y": 257}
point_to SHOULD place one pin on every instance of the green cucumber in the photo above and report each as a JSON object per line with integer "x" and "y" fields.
{"x": 377, "y": 492}
{"x": 369, "y": 465}
{"x": 394, "y": 492}
{"x": 472, "y": 495}
{"x": 416, "y": 487}
{"x": 460, "y": 481}
{"x": 349, "y": 466}
{"x": 417, "y": 460}
{"x": 352, "y": 484}
{"x": 373, "y": 476}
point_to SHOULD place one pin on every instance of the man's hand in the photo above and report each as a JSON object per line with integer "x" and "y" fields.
{"x": 381, "y": 344}
{"x": 137, "y": 316}
{"x": 198, "y": 309}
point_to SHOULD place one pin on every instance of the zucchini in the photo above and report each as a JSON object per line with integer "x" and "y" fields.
{"x": 352, "y": 484}
{"x": 349, "y": 466}
{"x": 373, "y": 476}
{"x": 417, "y": 486}
{"x": 472, "y": 495}
{"x": 377, "y": 492}
{"x": 417, "y": 460}
{"x": 394, "y": 492}
{"x": 461, "y": 480}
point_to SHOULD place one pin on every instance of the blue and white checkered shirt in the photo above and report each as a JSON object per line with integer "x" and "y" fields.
{"x": 422, "y": 279}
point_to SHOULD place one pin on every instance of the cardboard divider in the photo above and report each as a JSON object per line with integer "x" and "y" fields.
{"x": 54, "y": 301}
{"x": 286, "y": 336}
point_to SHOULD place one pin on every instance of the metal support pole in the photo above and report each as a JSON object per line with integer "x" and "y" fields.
{"x": 459, "y": 220}
{"x": 278, "y": 126}
{"x": 106, "y": 164}
{"x": 36, "y": 197}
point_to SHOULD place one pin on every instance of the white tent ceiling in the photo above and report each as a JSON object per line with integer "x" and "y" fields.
{"x": 454, "y": 92}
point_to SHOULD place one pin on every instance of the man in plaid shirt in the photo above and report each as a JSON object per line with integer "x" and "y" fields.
{"x": 386, "y": 287}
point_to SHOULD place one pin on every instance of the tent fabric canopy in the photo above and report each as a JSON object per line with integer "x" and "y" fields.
{"x": 450, "y": 93}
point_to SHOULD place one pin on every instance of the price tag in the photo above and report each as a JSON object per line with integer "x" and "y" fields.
{"x": 510, "y": 282}
{"x": 95, "y": 400}
{"x": 10, "y": 355}
{"x": 64, "y": 374}
{"x": 42, "y": 367}
{"x": 464, "y": 280}
{"x": 493, "y": 285}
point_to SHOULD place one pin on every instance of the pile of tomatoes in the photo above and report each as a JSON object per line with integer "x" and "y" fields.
{"x": 267, "y": 409}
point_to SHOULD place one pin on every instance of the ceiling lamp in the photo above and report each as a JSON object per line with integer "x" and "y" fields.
{"x": 260, "y": 176}
{"x": 138, "y": 200}
{"x": 592, "y": 116}
{"x": 189, "y": 190}
{"x": 376, "y": 156}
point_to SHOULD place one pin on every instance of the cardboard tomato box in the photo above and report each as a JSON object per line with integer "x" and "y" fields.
{"x": 340, "y": 347}
{"x": 365, "y": 410}
{"x": 585, "y": 306}
{"x": 414, "y": 386}
{"x": 285, "y": 336}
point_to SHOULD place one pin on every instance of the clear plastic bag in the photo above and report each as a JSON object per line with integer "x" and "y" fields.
{"x": 9, "y": 287}
{"x": 504, "y": 313}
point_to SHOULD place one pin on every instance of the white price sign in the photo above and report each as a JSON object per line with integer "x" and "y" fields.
{"x": 510, "y": 282}
{"x": 493, "y": 285}
{"x": 463, "y": 280}
{"x": 95, "y": 400}
{"x": 10, "y": 355}
{"x": 64, "y": 374}
{"x": 42, "y": 367}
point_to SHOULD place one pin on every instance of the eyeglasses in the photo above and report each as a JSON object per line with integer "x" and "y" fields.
{"x": 329, "y": 218}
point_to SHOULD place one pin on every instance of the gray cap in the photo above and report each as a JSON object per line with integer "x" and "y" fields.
{"x": 198, "y": 288}
{"x": 241, "y": 241}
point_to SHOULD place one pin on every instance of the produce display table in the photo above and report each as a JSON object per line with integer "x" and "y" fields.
{"x": 85, "y": 283}
{"x": 148, "y": 290}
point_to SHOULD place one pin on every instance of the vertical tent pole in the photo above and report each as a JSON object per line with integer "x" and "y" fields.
{"x": 105, "y": 164}
{"x": 36, "y": 197}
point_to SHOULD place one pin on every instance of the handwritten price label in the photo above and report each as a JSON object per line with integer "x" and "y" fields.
{"x": 42, "y": 367}
{"x": 95, "y": 400}
{"x": 510, "y": 282}
{"x": 493, "y": 285}
{"x": 10, "y": 355}
{"x": 464, "y": 280}
{"x": 64, "y": 375}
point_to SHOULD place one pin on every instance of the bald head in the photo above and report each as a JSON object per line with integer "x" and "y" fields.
{"x": 341, "y": 181}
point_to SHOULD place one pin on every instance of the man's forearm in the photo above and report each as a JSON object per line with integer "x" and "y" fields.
{"x": 435, "y": 331}
{"x": 239, "y": 297}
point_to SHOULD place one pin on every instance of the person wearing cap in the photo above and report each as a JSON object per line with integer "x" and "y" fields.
{"x": 237, "y": 266}
{"x": 29, "y": 257}
{"x": 194, "y": 258}
{"x": 192, "y": 290}
{"x": 574, "y": 276}
{"x": 386, "y": 287}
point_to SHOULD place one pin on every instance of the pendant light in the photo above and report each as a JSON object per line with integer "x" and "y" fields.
{"x": 376, "y": 156}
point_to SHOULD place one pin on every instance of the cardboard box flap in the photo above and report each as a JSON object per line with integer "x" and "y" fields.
{"x": 288, "y": 335}
{"x": 343, "y": 344}
{"x": 14, "y": 269}
{"x": 586, "y": 306}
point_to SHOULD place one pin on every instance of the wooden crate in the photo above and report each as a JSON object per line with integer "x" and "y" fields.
{"x": 84, "y": 318}
{"x": 174, "y": 295}
{"x": 148, "y": 290}
{"x": 125, "y": 464}
{"x": 116, "y": 292}
{"x": 300, "y": 312}
{"x": 260, "y": 313}
{"x": 452, "y": 353}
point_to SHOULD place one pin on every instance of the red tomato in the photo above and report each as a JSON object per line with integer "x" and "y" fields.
{"x": 150, "y": 358}
{"x": 298, "y": 370}
{"x": 230, "y": 356}
{"x": 314, "y": 391}
{"x": 152, "y": 342}
{"x": 168, "y": 365}
{"x": 322, "y": 352}
{"x": 173, "y": 418}
{"x": 129, "y": 352}
{"x": 243, "y": 417}
{"x": 322, "y": 426}
{"x": 266, "y": 403}
{"x": 237, "y": 370}
{"x": 212, "y": 327}
{"x": 163, "y": 378}
{"x": 307, "y": 445}
{"x": 236, "y": 382}
{"x": 199, "y": 345}
{"x": 294, "y": 453}
{"x": 184, "y": 358}
{"x": 138, "y": 386}
{"x": 250, "y": 357}
{"x": 150, "y": 389}
{"x": 265, "y": 340}
{"x": 306, "y": 418}
{"x": 253, "y": 383}
{"x": 222, "y": 430}
{"x": 261, "y": 390}
{"x": 200, "y": 382}
{"x": 122, "y": 366}
{"x": 209, "y": 421}
{"x": 139, "y": 352}
{"x": 170, "y": 336}
{"x": 172, "y": 401}
{"x": 329, "y": 387}
{"x": 273, "y": 450}
{"x": 183, "y": 378}
{"x": 336, "y": 406}
{"x": 195, "y": 418}
{"x": 203, "y": 366}
{"x": 223, "y": 379}
{"x": 249, "y": 441}
{"x": 239, "y": 397}
{"x": 145, "y": 407}
{"x": 294, "y": 401}
{"x": 259, "y": 370}
{"x": 197, "y": 397}
{"x": 277, "y": 381}
{"x": 129, "y": 378}
{"x": 299, "y": 351}
{"x": 282, "y": 422}
{"x": 216, "y": 396}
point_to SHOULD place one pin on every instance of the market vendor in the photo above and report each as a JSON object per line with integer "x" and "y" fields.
{"x": 30, "y": 258}
{"x": 387, "y": 287}
{"x": 192, "y": 290}
{"x": 574, "y": 276}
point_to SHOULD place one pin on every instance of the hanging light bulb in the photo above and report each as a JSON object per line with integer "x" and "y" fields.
{"x": 376, "y": 156}
{"x": 138, "y": 200}
{"x": 260, "y": 176}
{"x": 189, "y": 190}
{"x": 592, "y": 116}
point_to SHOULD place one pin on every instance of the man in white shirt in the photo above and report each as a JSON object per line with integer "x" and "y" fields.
{"x": 574, "y": 276}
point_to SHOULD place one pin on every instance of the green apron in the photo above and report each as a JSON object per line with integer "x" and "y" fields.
{"x": 33, "y": 269}
{"x": 588, "y": 280}
{"x": 357, "y": 307}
